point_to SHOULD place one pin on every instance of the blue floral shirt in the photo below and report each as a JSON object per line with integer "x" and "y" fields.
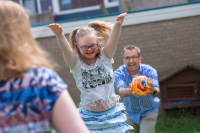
{"x": 137, "y": 107}
{"x": 26, "y": 103}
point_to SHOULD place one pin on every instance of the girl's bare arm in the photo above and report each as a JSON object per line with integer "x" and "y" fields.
{"x": 69, "y": 56}
{"x": 111, "y": 45}
{"x": 66, "y": 118}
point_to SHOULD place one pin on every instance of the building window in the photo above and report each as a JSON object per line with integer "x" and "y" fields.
{"x": 16, "y": 1}
{"x": 31, "y": 5}
{"x": 34, "y": 7}
{"x": 46, "y": 5}
{"x": 72, "y": 4}
{"x": 193, "y": 0}
{"x": 112, "y": 0}
{"x": 65, "y": 4}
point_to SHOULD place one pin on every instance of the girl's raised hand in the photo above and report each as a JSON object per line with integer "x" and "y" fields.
{"x": 120, "y": 18}
{"x": 56, "y": 28}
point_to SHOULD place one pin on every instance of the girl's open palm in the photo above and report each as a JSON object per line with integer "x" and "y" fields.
{"x": 56, "y": 28}
{"x": 120, "y": 18}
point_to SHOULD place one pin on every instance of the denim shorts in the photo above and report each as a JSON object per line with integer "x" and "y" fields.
{"x": 110, "y": 121}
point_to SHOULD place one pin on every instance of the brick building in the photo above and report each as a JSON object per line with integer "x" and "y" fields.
{"x": 169, "y": 38}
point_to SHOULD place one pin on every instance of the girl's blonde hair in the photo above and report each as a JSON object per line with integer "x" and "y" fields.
{"x": 18, "y": 50}
{"x": 97, "y": 29}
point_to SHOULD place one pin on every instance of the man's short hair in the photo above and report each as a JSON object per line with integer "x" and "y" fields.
{"x": 130, "y": 47}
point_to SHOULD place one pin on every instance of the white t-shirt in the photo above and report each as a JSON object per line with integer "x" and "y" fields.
{"x": 134, "y": 76}
{"x": 96, "y": 81}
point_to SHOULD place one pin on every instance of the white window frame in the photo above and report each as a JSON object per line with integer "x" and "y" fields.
{"x": 39, "y": 7}
{"x": 56, "y": 7}
{"x": 21, "y": 2}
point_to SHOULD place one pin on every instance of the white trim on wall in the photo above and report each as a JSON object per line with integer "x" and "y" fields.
{"x": 131, "y": 19}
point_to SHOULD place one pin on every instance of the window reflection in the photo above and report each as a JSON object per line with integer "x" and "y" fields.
{"x": 193, "y": 0}
{"x": 65, "y": 4}
{"x": 46, "y": 5}
{"x": 31, "y": 5}
{"x": 16, "y": 1}
{"x": 72, "y": 4}
{"x": 112, "y": 0}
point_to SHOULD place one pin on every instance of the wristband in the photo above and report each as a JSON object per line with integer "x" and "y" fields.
{"x": 155, "y": 91}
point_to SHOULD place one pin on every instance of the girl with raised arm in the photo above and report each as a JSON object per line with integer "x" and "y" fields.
{"x": 89, "y": 55}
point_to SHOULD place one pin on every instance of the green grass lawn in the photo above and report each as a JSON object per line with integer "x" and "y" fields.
{"x": 174, "y": 125}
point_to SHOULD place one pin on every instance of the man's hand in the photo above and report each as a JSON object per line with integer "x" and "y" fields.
{"x": 132, "y": 92}
{"x": 126, "y": 92}
{"x": 152, "y": 89}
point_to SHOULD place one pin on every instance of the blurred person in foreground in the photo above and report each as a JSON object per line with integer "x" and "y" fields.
{"x": 32, "y": 95}
{"x": 141, "y": 110}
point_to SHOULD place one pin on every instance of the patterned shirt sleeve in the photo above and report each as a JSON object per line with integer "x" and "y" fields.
{"x": 51, "y": 88}
{"x": 54, "y": 86}
{"x": 28, "y": 102}
{"x": 119, "y": 79}
{"x": 154, "y": 77}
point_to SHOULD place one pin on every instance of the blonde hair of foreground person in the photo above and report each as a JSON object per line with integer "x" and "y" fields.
{"x": 18, "y": 53}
